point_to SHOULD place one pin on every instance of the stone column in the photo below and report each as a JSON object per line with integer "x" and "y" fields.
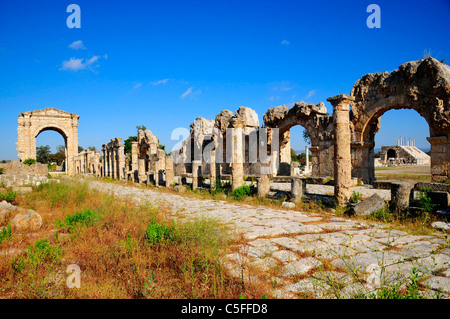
{"x": 342, "y": 153}
{"x": 196, "y": 165}
{"x": 108, "y": 152}
{"x": 141, "y": 170}
{"x": 440, "y": 158}
{"x": 237, "y": 167}
{"x": 401, "y": 192}
{"x": 104, "y": 161}
{"x": 121, "y": 151}
{"x": 298, "y": 188}
{"x": 134, "y": 160}
{"x": 156, "y": 172}
{"x": 263, "y": 185}
{"x": 285, "y": 154}
{"x": 307, "y": 170}
{"x": 169, "y": 171}
{"x": 212, "y": 171}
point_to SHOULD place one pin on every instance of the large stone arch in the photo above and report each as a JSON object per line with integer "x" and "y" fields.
{"x": 423, "y": 86}
{"x": 33, "y": 123}
{"x": 319, "y": 126}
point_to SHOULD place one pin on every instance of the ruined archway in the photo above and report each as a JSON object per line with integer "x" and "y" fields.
{"x": 33, "y": 123}
{"x": 317, "y": 123}
{"x": 423, "y": 86}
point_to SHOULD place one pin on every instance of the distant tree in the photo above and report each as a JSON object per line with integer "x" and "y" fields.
{"x": 127, "y": 144}
{"x": 306, "y": 137}
{"x": 294, "y": 156}
{"x": 91, "y": 148}
{"x": 57, "y": 158}
{"x": 42, "y": 154}
{"x": 80, "y": 149}
{"x": 60, "y": 149}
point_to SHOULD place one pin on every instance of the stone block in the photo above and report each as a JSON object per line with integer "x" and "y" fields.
{"x": 263, "y": 186}
{"x": 22, "y": 189}
{"x": 401, "y": 193}
{"x": 30, "y": 220}
{"x": 369, "y": 205}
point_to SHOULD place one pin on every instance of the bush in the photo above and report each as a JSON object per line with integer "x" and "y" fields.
{"x": 86, "y": 218}
{"x": 5, "y": 233}
{"x": 42, "y": 251}
{"x": 424, "y": 201}
{"x": 157, "y": 233}
{"x": 9, "y": 196}
{"x": 1, "y": 170}
{"x": 241, "y": 192}
{"x": 29, "y": 161}
{"x": 224, "y": 187}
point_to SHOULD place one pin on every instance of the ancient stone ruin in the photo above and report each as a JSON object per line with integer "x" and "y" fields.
{"x": 33, "y": 123}
{"x": 233, "y": 146}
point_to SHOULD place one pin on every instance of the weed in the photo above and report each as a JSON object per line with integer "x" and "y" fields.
{"x": 356, "y": 197}
{"x": 43, "y": 252}
{"x": 394, "y": 291}
{"x": 9, "y": 196}
{"x": 241, "y": 192}
{"x": 85, "y": 218}
{"x": 29, "y": 161}
{"x": 424, "y": 201}
{"x": 157, "y": 233}
{"x": 5, "y": 233}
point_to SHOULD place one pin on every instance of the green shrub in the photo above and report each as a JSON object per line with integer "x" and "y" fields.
{"x": 29, "y": 161}
{"x": 424, "y": 201}
{"x": 72, "y": 221}
{"x": 5, "y": 233}
{"x": 157, "y": 233}
{"x": 241, "y": 192}
{"x": 222, "y": 187}
{"x": 9, "y": 196}
{"x": 1, "y": 170}
{"x": 43, "y": 252}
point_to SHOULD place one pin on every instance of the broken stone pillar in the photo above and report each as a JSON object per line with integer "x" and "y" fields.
{"x": 121, "y": 161}
{"x": 134, "y": 160}
{"x": 263, "y": 185}
{"x": 156, "y": 172}
{"x": 141, "y": 170}
{"x": 342, "y": 153}
{"x": 196, "y": 174}
{"x": 103, "y": 160}
{"x": 298, "y": 188}
{"x": 401, "y": 193}
{"x": 212, "y": 171}
{"x": 237, "y": 167}
{"x": 169, "y": 171}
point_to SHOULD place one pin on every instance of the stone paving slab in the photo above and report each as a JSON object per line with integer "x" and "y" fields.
{"x": 298, "y": 243}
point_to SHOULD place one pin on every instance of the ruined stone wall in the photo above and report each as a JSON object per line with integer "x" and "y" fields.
{"x": 16, "y": 167}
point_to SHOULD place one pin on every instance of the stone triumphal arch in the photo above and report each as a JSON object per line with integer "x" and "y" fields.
{"x": 33, "y": 123}
{"x": 423, "y": 86}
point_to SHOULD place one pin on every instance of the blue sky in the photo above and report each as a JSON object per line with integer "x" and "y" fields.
{"x": 163, "y": 63}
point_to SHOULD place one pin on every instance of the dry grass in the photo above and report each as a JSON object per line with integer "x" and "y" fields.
{"x": 115, "y": 258}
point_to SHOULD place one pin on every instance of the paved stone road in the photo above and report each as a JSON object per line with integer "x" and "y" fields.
{"x": 312, "y": 255}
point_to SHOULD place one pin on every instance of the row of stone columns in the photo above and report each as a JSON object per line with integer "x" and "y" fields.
{"x": 113, "y": 164}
